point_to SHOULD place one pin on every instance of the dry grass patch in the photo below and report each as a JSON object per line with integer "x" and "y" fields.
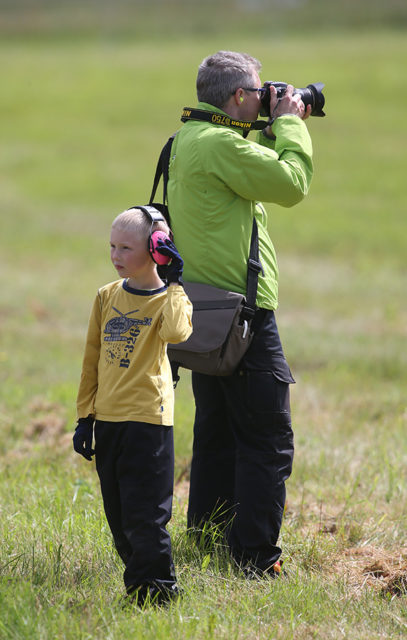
{"x": 373, "y": 567}
{"x": 46, "y": 429}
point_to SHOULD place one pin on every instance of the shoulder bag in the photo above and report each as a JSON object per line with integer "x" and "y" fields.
{"x": 221, "y": 319}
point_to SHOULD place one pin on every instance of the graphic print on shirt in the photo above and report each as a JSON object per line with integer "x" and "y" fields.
{"x": 123, "y": 329}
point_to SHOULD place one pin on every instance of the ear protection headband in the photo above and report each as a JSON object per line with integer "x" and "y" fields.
{"x": 154, "y": 215}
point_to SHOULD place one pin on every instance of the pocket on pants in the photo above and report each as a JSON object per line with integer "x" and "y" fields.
{"x": 268, "y": 394}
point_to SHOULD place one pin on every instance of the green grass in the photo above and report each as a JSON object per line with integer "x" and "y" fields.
{"x": 82, "y": 123}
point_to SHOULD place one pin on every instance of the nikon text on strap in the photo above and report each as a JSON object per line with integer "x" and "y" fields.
{"x": 223, "y": 119}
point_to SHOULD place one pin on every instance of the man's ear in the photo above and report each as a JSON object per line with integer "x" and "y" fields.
{"x": 239, "y": 96}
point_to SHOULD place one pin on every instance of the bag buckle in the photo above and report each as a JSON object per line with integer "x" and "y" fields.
{"x": 247, "y": 314}
{"x": 255, "y": 266}
{"x": 245, "y": 329}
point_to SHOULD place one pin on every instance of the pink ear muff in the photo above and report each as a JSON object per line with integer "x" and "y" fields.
{"x": 156, "y": 256}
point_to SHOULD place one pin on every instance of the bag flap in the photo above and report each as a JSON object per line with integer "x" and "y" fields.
{"x": 202, "y": 295}
{"x": 213, "y": 313}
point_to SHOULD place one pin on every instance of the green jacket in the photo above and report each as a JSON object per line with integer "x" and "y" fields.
{"x": 217, "y": 179}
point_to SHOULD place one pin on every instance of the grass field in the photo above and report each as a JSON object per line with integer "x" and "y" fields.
{"x": 82, "y": 121}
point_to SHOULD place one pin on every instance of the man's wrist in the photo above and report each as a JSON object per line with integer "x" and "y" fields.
{"x": 268, "y": 131}
{"x": 280, "y": 115}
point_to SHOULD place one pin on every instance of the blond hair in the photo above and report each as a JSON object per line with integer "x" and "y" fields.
{"x": 138, "y": 222}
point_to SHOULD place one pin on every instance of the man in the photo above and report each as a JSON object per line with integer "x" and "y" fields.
{"x": 243, "y": 441}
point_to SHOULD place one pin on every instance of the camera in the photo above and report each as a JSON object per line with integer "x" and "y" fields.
{"x": 312, "y": 94}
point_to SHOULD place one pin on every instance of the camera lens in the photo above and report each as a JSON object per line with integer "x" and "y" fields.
{"x": 312, "y": 95}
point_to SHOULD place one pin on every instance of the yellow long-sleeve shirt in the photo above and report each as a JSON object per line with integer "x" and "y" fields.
{"x": 126, "y": 374}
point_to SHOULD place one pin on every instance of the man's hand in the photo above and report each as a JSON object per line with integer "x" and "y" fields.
{"x": 173, "y": 271}
{"x": 82, "y": 438}
{"x": 290, "y": 103}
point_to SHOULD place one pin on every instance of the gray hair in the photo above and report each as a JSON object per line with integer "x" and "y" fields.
{"x": 221, "y": 74}
{"x": 136, "y": 221}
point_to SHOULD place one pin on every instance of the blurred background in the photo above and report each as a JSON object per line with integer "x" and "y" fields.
{"x": 90, "y": 92}
{"x": 161, "y": 17}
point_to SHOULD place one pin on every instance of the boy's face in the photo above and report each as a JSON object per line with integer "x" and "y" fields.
{"x": 129, "y": 254}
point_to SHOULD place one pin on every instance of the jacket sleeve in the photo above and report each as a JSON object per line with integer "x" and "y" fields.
{"x": 176, "y": 320}
{"x": 89, "y": 377}
{"x": 277, "y": 171}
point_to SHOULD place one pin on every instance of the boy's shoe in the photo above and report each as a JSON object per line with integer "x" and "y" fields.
{"x": 152, "y": 595}
{"x": 164, "y": 596}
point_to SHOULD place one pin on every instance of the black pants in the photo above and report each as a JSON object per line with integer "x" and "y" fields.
{"x": 243, "y": 448}
{"x": 135, "y": 464}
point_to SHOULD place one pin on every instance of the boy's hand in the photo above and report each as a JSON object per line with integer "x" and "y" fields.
{"x": 174, "y": 270}
{"x": 82, "y": 438}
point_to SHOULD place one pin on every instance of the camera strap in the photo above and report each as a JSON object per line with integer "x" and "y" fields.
{"x": 222, "y": 119}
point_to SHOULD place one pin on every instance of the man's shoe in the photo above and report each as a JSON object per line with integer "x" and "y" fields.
{"x": 277, "y": 569}
{"x": 254, "y": 573}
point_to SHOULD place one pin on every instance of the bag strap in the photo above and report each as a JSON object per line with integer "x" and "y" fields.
{"x": 254, "y": 266}
{"x": 162, "y": 169}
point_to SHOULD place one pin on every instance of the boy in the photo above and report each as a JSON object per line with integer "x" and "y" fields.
{"x": 126, "y": 392}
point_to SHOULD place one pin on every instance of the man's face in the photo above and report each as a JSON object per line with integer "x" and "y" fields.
{"x": 250, "y": 106}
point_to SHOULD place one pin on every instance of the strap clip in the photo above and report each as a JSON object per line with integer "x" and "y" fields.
{"x": 255, "y": 266}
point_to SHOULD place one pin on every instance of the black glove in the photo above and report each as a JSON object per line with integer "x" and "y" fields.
{"x": 82, "y": 438}
{"x": 173, "y": 272}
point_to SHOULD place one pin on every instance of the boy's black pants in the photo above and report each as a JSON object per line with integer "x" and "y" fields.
{"x": 243, "y": 448}
{"x": 135, "y": 464}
